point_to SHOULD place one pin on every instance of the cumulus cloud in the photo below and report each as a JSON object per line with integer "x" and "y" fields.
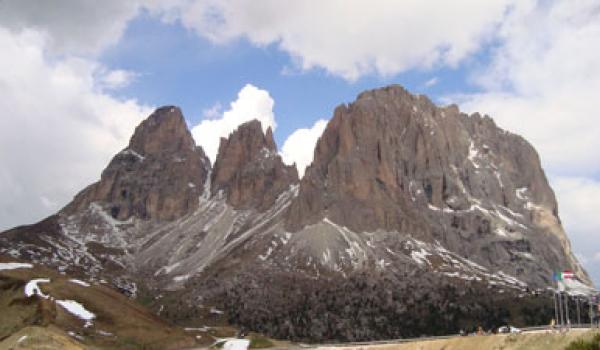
{"x": 580, "y": 202}
{"x": 542, "y": 82}
{"x": 84, "y": 26}
{"x": 255, "y": 103}
{"x": 579, "y": 206}
{"x": 115, "y": 79}
{"x": 431, "y": 82}
{"x": 351, "y": 38}
{"x": 251, "y": 103}
{"x": 70, "y": 26}
{"x": 299, "y": 147}
{"x": 58, "y": 130}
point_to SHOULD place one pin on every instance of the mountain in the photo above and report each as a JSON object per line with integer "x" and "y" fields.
{"x": 412, "y": 219}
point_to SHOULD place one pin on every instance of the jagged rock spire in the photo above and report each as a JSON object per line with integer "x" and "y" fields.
{"x": 159, "y": 175}
{"x": 249, "y": 170}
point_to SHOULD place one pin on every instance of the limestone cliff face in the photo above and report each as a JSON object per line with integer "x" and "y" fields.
{"x": 249, "y": 170}
{"x": 159, "y": 175}
{"x": 394, "y": 161}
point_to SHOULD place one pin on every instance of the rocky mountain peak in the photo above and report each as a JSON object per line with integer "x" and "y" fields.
{"x": 249, "y": 170}
{"x": 160, "y": 175}
{"x": 395, "y": 162}
{"x": 164, "y": 131}
{"x": 444, "y": 210}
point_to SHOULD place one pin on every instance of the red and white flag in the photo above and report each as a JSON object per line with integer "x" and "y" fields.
{"x": 568, "y": 274}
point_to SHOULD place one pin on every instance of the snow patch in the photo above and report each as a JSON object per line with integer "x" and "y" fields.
{"x": 497, "y": 173}
{"x": 462, "y": 276}
{"x": 197, "y": 329}
{"x": 13, "y": 266}
{"x": 181, "y": 278}
{"x": 167, "y": 269}
{"x": 433, "y": 207}
{"x": 132, "y": 153}
{"x": 500, "y": 231}
{"x": 420, "y": 256}
{"x": 520, "y": 193}
{"x": 79, "y": 282}
{"x": 77, "y": 310}
{"x": 214, "y": 310}
{"x": 32, "y": 288}
{"x": 236, "y": 344}
{"x": 473, "y": 153}
{"x": 286, "y": 238}
{"x": 266, "y": 255}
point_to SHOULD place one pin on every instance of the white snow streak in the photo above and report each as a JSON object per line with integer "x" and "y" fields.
{"x": 77, "y": 310}
{"x": 236, "y": 344}
{"x": 32, "y": 288}
{"x": 473, "y": 153}
{"x": 79, "y": 282}
{"x": 13, "y": 266}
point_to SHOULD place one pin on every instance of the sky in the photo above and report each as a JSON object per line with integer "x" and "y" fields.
{"x": 77, "y": 76}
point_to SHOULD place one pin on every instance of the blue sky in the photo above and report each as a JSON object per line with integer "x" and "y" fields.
{"x": 175, "y": 66}
{"x": 96, "y": 70}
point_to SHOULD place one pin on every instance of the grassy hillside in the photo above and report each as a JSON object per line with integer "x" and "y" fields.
{"x": 40, "y": 338}
{"x": 531, "y": 341}
{"x": 119, "y": 322}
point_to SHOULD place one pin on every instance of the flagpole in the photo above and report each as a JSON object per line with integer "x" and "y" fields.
{"x": 578, "y": 313}
{"x": 590, "y": 304}
{"x": 560, "y": 308}
{"x": 556, "y": 321}
{"x": 567, "y": 309}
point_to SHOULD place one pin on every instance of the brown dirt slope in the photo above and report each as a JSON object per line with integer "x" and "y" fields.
{"x": 120, "y": 322}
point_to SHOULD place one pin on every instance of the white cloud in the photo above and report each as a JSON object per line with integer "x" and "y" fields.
{"x": 543, "y": 82}
{"x": 300, "y": 145}
{"x": 251, "y": 103}
{"x": 255, "y": 103}
{"x": 579, "y": 205}
{"x": 115, "y": 79}
{"x": 70, "y": 26}
{"x": 214, "y": 112}
{"x": 352, "y": 38}
{"x": 58, "y": 129}
{"x": 431, "y": 82}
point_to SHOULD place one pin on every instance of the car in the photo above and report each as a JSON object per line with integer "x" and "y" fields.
{"x": 515, "y": 330}
{"x": 509, "y": 329}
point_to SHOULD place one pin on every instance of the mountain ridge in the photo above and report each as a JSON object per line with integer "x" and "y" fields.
{"x": 399, "y": 188}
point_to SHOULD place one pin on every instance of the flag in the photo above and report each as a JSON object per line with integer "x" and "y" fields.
{"x": 566, "y": 274}
{"x": 556, "y": 276}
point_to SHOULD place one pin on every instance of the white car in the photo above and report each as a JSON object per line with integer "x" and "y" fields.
{"x": 509, "y": 329}
{"x": 515, "y": 330}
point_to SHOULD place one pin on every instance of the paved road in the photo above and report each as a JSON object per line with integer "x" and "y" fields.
{"x": 540, "y": 329}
